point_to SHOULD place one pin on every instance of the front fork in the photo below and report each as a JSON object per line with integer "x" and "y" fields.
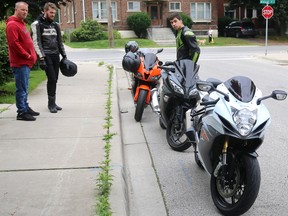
{"x": 222, "y": 163}
{"x": 178, "y": 120}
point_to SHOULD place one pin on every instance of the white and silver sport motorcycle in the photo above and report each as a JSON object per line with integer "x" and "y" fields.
{"x": 227, "y": 128}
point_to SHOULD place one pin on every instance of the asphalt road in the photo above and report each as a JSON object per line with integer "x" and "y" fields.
{"x": 184, "y": 188}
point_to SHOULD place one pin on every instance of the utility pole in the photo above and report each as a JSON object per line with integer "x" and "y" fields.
{"x": 74, "y": 16}
{"x": 110, "y": 23}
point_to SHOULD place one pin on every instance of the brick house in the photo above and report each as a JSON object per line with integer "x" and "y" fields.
{"x": 204, "y": 13}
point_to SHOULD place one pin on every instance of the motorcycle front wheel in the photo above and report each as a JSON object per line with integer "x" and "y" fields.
{"x": 235, "y": 190}
{"x": 140, "y": 105}
{"x": 176, "y": 137}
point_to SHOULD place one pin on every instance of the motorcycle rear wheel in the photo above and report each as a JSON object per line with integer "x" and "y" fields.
{"x": 140, "y": 105}
{"x": 177, "y": 139}
{"x": 235, "y": 196}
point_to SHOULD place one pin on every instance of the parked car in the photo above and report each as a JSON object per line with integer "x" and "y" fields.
{"x": 240, "y": 29}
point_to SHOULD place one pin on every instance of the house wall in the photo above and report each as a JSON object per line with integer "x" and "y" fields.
{"x": 67, "y": 23}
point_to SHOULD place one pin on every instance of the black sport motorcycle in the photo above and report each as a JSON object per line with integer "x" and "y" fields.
{"x": 178, "y": 94}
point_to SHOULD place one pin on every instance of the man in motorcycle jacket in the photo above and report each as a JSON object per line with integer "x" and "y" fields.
{"x": 186, "y": 43}
{"x": 48, "y": 45}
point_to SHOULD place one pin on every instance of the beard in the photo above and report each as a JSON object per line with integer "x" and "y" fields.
{"x": 49, "y": 18}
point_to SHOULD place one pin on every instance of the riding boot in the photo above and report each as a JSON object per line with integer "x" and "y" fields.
{"x": 51, "y": 104}
{"x": 57, "y": 107}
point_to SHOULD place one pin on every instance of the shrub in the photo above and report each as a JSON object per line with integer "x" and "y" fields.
{"x": 90, "y": 30}
{"x": 5, "y": 72}
{"x": 139, "y": 22}
{"x": 116, "y": 35}
{"x": 222, "y": 22}
{"x": 187, "y": 21}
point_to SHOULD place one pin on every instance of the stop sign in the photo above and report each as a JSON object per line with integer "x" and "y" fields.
{"x": 267, "y": 12}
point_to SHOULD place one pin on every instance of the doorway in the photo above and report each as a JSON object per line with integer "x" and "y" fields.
{"x": 155, "y": 13}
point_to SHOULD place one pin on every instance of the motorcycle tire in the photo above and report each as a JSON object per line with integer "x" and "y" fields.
{"x": 238, "y": 199}
{"x": 177, "y": 140}
{"x": 161, "y": 123}
{"x": 140, "y": 105}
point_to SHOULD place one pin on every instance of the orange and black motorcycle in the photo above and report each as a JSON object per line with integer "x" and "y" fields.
{"x": 146, "y": 73}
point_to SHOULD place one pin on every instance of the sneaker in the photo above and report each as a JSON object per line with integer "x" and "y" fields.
{"x": 25, "y": 117}
{"x": 32, "y": 112}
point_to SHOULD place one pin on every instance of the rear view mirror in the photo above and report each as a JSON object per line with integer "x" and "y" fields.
{"x": 276, "y": 94}
{"x": 204, "y": 86}
{"x": 159, "y": 50}
{"x": 279, "y": 95}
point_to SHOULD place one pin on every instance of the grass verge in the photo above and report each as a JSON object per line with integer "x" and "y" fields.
{"x": 219, "y": 41}
{"x": 7, "y": 91}
{"x": 104, "y": 180}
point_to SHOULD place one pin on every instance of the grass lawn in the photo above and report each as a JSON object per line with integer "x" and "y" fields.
{"x": 104, "y": 44}
{"x": 7, "y": 93}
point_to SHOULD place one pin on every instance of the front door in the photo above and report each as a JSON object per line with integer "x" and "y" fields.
{"x": 155, "y": 12}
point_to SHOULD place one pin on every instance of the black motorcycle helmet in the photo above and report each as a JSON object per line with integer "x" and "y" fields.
{"x": 131, "y": 46}
{"x": 131, "y": 62}
{"x": 68, "y": 68}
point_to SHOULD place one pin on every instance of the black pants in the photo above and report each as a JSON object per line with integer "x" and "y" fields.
{"x": 210, "y": 38}
{"x": 52, "y": 73}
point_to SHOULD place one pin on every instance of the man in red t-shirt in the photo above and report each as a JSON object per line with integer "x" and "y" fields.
{"x": 22, "y": 57}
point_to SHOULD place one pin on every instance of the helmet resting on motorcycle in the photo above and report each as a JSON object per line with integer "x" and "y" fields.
{"x": 131, "y": 46}
{"x": 67, "y": 67}
{"x": 131, "y": 62}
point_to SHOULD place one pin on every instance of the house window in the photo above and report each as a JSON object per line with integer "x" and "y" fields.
{"x": 72, "y": 13}
{"x": 200, "y": 11}
{"x": 174, "y": 6}
{"x": 68, "y": 15}
{"x": 133, "y": 6}
{"x": 99, "y": 10}
{"x": 228, "y": 12}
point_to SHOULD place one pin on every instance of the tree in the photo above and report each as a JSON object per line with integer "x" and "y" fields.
{"x": 280, "y": 17}
{"x": 35, "y": 7}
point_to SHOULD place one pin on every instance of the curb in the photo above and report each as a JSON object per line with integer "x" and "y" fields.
{"x": 119, "y": 198}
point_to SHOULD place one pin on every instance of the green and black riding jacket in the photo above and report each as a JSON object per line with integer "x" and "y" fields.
{"x": 186, "y": 44}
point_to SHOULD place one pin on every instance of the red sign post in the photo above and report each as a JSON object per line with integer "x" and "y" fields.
{"x": 267, "y": 12}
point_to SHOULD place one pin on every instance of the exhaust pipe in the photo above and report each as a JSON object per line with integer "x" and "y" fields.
{"x": 154, "y": 101}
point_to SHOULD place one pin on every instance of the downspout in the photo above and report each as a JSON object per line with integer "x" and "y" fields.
{"x": 83, "y": 10}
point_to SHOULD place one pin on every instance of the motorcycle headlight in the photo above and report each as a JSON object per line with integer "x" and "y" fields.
{"x": 138, "y": 75}
{"x": 176, "y": 87}
{"x": 244, "y": 120}
{"x": 193, "y": 92}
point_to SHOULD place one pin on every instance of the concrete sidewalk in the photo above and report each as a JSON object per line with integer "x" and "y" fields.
{"x": 50, "y": 166}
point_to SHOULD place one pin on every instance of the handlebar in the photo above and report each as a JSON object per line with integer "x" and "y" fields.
{"x": 172, "y": 69}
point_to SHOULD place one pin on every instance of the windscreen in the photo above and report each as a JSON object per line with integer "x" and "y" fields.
{"x": 247, "y": 25}
{"x": 187, "y": 74}
{"x": 150, "y": 61}
{"x": 242, "y": 88}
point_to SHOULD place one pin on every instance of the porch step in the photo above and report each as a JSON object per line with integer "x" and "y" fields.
{"x": 162, "y": 36}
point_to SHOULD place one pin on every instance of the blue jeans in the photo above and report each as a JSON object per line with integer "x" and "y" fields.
{"x": 21, "y": 76}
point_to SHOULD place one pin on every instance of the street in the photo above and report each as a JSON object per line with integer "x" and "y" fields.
{"x": 182, "y": 188}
